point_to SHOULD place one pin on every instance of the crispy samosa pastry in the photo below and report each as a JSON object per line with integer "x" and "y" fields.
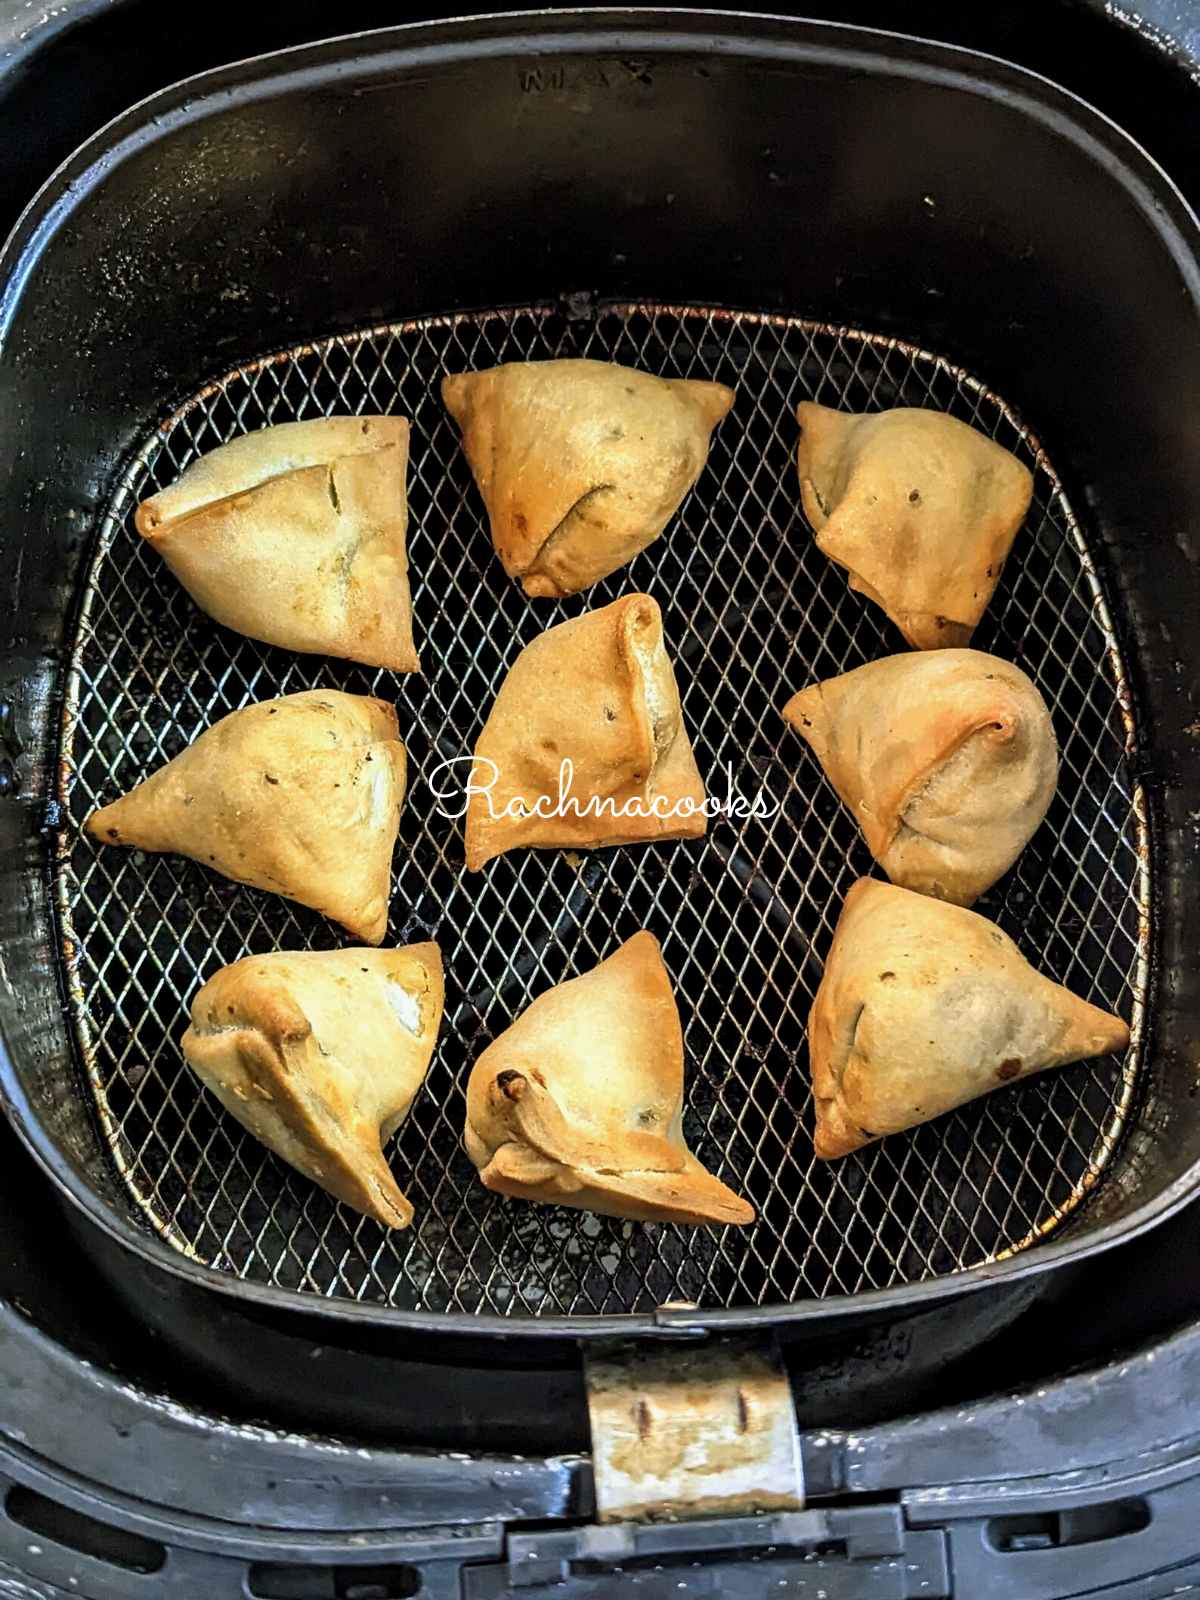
{"x": 924, "y": 1006}
{"x": 920, "y": 509}
{"x": 598, "y": 692}
{"x": 580, "y": 1102}
{"x": 581, "y": 464}
{"x": 946, "y": 760}
{"x": 300, "y": 796}
{"x": 295, "y": 535}
{"x": 320, "y": 1054}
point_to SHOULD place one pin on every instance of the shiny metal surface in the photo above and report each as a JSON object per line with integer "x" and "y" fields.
{"x": 692, "y": 1431}
{"x": 752, "y": 612}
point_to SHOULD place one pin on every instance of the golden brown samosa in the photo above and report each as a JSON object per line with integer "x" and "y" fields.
{"x": 581, "y": 464}
{"x": 300, "y": 796}
{"x": 598, "y": 692}
{"x": 580, "y": 1102}
{"x": 295, "y": 535}
{"x": 920, "y": 509}
{"x": 320, "y": 1054}
{"x": 924, "y": 1006}
{"x": 945, "y": 759}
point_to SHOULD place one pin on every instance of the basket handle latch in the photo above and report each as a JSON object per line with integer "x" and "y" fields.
{"x": 682, "y": 1431}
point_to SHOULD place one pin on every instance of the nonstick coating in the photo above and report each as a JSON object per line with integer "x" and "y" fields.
{"x": 752, "y": 612}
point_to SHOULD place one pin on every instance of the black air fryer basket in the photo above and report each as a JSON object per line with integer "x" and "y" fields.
{"x": 802, "y": 211}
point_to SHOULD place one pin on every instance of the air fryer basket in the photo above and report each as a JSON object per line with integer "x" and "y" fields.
{"x": 751, "y": 609}
{"x": 613, "y": 176}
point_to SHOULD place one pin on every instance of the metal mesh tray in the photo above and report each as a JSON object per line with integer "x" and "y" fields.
{"x": 752, "y": 612}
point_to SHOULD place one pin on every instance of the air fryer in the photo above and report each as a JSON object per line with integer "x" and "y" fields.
{"x": 773, "y": 203}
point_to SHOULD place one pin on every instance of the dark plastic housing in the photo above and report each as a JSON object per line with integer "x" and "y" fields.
{"x": 494, "y": 162}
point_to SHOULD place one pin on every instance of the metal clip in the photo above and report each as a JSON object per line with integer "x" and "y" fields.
{"x": 679, "y": 1433}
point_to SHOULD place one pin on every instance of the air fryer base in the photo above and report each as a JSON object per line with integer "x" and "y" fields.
{"x": 101, "y": 1476}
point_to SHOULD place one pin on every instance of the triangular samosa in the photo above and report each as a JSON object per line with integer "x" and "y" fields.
{"x": 580, "y": 1102}
{"x": 598, "y": 692}
{"x": 300, "y": 796}
{"x": 320, "y": 1054}
{"x": 945, "y": 759}
{"x": 581, "y": 464}
{"x": 920, "y": 509}
{"x": 924, "y": 1006}
{"x": 295, "y": 535}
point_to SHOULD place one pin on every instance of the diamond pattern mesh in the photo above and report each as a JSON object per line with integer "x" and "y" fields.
{"x": 752, "y": 612}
